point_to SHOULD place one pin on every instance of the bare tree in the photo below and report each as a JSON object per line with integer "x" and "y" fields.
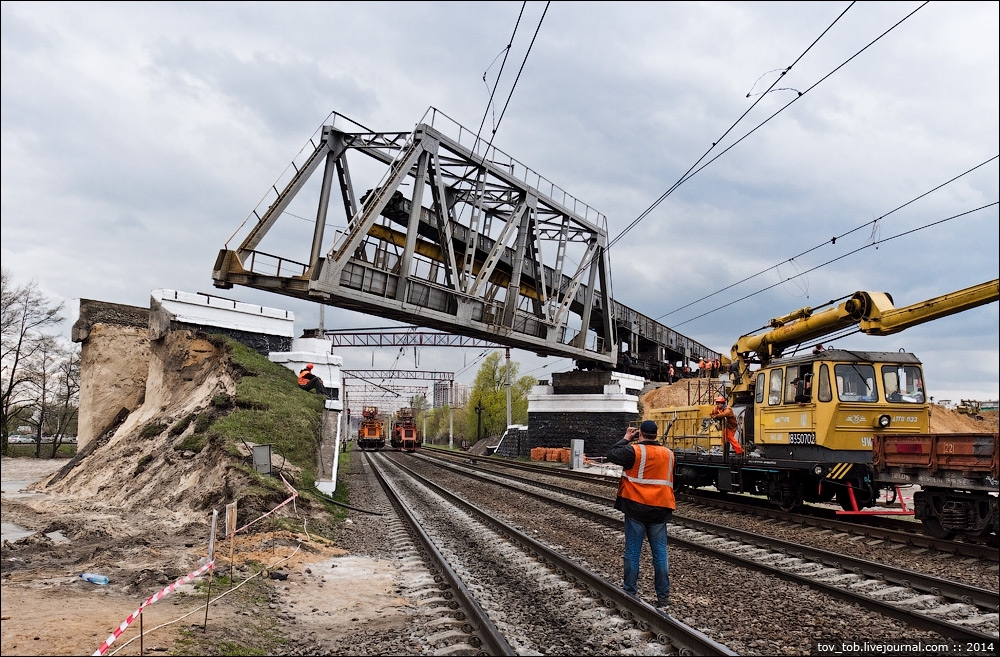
{"x": 24, "y": 314}
{"x": 53, "y": 373}
{"x": 66, "y": 404}
{"x": 40, "y": 369}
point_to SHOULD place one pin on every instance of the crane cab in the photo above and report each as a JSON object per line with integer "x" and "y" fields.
{"x": 829, "y": 405}
{"x": 806, "y": 424}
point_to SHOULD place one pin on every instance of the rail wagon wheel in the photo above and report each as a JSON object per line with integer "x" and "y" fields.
{"x": 787, "y": 504}
{"x": 786, "y": 493}
{"x": 934, "y": 527}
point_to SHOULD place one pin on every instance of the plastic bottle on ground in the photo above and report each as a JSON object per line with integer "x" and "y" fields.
{"x": 94, "y": 578}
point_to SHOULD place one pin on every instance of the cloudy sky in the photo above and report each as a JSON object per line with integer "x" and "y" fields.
{"x": 137, "y": 137}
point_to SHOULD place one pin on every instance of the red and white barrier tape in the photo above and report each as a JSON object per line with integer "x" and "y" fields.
{"x": 294, "y": 493}
{"x": 187, "y": 579}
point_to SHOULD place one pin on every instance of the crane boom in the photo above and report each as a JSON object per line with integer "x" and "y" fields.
{"x": 872, "y": 312}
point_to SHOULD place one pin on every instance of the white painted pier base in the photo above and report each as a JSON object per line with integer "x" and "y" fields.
{"x": 326, "y": 366}
{"x": 592, "y": 407}
{"x": 614, "y": 399}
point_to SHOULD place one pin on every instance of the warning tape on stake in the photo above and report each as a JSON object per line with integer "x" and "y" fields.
{"x": 294, "y": 493}
{"x": 187, "y": 579}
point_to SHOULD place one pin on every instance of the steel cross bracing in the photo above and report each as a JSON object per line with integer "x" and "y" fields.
{"x": 368, "y": 375}
{"x": 446, "y": 233}
{"x": 407, "y": 338}
{"x": 361, "y": 388}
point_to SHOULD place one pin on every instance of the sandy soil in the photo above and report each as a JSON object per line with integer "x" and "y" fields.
{"x": 139, "y": 511}
{"x": 48, "y": 610}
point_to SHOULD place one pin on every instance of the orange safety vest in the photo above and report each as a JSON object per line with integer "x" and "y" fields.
{"x": 650, "y": 480}
{"x": 303, "y": 379}
{"x": 729, "y": 426}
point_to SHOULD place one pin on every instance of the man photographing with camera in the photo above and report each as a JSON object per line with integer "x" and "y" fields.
{"x": 646, "y": 497}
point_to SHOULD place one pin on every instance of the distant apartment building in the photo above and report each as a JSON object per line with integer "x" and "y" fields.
{"x": 460, "y": 391}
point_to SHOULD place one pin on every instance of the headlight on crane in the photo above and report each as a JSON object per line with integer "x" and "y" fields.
{"x": 818, "y": 470}
{"x": 884, "y": 421}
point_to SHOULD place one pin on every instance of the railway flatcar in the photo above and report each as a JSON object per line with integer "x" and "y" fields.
{"x": 371, "y": 431}
{"x": 405, "y": 435}
{"x": 958, "y": 475}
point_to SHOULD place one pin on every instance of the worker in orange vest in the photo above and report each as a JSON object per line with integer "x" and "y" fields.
{"x": 646, "y": 497}
{"x": 729, "y": 423}
{"x": 309, "y": 381}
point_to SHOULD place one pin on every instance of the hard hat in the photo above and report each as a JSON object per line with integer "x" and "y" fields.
{"x": 720, "y": 398}
{"x": 309, "y": 366}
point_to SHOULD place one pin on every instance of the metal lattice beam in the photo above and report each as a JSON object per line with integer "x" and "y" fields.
{"x": 443, "y": 231}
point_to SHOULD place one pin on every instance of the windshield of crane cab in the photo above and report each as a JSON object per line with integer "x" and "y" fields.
{"x": 903, "y": 384}
{"x": 855, "y": 382}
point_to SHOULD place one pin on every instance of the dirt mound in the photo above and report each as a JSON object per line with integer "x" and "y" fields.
{"x": 681, "y": 393}
{"x": 948, "y": 420}
{"x": 139, "y": 467}
{"x": 129, "y": 506}
{"x": 943, "y": 419}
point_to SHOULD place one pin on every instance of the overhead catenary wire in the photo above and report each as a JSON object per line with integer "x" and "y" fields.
{"x": 692, "y": 169}
{"x": 503, "y": 64}
{"x": 516, "y": 80}
{"x": 832, "y": 240}
{"x": 799, "y": 95}
{"x": 695, "y": 168}
{"x": 841, "y": 257}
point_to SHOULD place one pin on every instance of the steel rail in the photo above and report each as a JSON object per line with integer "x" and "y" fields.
{"x": 483, "y": 634}
{"x": 667, "y": 629}
{"x": 982, "y": 598}
{"x": 723, "y": 500}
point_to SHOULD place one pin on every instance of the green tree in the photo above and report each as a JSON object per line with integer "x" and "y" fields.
{"x": 25, "y": 314}
{"x": 441, "y": 419}
{"x": 486, "y": 414}
{"x": 420, "y": 406}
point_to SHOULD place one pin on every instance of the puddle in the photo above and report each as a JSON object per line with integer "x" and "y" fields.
{"x": 17, "y": 489}
{"x": 12, "y": 486}
{"x": 12, "y": 532}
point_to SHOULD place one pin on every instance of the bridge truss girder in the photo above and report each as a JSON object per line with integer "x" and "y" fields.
{"x": 404, "y": 338}
{"x": 480, "y": 245}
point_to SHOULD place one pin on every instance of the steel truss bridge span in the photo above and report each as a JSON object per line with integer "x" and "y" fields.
{"x": 478, "y": 245}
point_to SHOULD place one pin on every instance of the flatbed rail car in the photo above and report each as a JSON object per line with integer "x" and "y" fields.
{"x": 371, "y": 431}
{"x": 958, "y": 475}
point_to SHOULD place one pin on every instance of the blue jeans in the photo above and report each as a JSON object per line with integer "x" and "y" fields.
{"x": 656, "y": 532}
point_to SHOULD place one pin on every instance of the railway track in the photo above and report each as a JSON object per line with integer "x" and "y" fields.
{"x": 951, "y": 609}
{"x": 499, "y": 578}
{"x": 870, "y": 527}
